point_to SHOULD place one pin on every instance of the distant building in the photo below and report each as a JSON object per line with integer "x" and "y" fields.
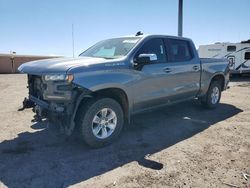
{"x": 10, "y": 62}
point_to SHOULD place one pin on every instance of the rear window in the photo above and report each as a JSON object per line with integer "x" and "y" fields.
{"x": 178, "y": 50}
{"x": 231, "y": 48}
{"x": 247, "y": 56}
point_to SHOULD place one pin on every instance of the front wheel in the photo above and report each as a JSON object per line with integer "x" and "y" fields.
{"x": 100, "y": 121}
{"x": 213, "y": 95}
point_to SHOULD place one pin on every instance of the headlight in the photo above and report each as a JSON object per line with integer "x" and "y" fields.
{"x": 59, "y": 77}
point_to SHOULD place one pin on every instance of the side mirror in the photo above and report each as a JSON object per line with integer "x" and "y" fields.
{"x": 146, "y": 58}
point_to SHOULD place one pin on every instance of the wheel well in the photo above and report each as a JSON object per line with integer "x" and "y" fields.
{"x": 219, "y": 78}
{"x": 117, "y": 94}
{"x": 114, "y": 93}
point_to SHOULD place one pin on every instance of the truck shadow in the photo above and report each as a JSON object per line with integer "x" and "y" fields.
{"x": 46, "y": 159}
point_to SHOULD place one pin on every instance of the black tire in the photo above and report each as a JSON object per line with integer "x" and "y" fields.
{"x": 207, "y": 99}
{"x": 86, "y": 114}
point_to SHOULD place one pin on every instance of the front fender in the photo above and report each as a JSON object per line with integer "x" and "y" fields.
{"x": 98, "y": 80}
{"x": 103, "y": 79}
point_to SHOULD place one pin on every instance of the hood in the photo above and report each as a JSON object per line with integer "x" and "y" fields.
{"x": 60, "y": 65}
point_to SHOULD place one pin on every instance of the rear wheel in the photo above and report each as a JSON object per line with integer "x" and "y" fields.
{"x": 100, "y": 121}
{"x": 213, "y": 95}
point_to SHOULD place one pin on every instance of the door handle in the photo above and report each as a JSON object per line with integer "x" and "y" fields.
{"x": 196, "y": 68}
{"x": 167, "y": 70}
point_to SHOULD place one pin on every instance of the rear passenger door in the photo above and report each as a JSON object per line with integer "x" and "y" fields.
{"x": 183, "y": 69}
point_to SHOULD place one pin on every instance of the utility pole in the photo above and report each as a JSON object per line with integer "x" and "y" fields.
{"x": 73, "y": 41}
{"x": 180, "y": 18}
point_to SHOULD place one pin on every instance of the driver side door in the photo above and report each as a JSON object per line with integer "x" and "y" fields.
{"x": 151, "y": 89}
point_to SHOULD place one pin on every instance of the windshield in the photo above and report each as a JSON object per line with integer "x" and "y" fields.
{"x": 112, "y": 48}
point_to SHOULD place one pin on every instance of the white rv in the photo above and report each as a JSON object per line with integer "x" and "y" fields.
{"x": 238, "y": 54}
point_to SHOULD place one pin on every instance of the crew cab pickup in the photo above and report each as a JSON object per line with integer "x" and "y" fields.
{"x": 96, "y": 93}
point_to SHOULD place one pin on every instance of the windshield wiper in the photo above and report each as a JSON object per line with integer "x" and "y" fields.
{"x": 108, "y": 57}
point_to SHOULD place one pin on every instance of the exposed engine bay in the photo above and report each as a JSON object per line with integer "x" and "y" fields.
{"x": 53, "y": 100}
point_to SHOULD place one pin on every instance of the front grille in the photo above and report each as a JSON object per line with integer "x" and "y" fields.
{"x": 49, "y": 91}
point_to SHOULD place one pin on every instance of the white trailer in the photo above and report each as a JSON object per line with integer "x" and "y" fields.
{"x": 238, "y": 54}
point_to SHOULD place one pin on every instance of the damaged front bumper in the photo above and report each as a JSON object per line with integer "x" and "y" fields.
{"x": 51, "y": 100}
{"x": 47, "y": 106}
{"x": 56, "y": 101}
{"x": 60, "y": 114}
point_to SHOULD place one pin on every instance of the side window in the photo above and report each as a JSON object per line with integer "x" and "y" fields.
{"x": 247, "y": 56}
{"x": 178, "y": 50}
{"x": 231, "y": 48}
{"x": 154, "y": 46}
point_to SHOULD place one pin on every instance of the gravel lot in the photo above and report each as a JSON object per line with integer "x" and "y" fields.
{"x": 178, "y": 146}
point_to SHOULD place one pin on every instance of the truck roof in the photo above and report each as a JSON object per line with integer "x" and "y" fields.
{"x": 152, "y": 35}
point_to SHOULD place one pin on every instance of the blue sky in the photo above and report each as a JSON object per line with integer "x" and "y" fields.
{"x": 44, "y": 27}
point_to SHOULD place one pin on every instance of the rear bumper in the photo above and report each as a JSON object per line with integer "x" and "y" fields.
{"x": 227, "y": 80}
{"x": 226, "y": 85}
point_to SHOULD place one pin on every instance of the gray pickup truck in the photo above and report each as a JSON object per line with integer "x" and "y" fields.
{"x": 95, "y": 94}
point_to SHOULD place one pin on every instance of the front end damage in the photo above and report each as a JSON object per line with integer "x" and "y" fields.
{"x": 55, "y": 100}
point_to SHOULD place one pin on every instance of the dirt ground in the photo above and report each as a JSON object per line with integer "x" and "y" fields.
{"x": 179, "y": 146}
